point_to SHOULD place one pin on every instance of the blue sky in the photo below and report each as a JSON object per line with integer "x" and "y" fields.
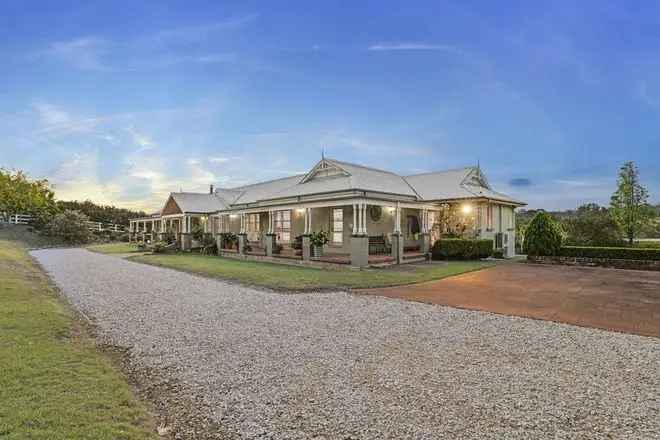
{"x": 123, "y": 103}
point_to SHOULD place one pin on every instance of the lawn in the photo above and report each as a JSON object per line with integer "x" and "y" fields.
{"x": 114, "y": 248}
{"x": 54, "y": 384}
{"x": 279, "y": 276}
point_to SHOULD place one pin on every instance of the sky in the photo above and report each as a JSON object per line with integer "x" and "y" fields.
{"x": 125, "y": 102}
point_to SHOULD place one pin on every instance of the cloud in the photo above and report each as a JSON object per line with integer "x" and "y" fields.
{"x": 520, "y": 182}
{"x": 152, "y": 51}
{"x": 219, "y": 159}
{"x": 84, "y": 53}
{"x": 142, "y": 140}
{"x": 197, "y": 33}
{"x": 413, "y": 46}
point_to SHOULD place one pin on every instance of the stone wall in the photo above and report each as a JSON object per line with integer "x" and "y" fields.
{"x": 598, "y": 262}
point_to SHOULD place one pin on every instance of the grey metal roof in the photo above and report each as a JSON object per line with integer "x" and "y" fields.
{"x": 198, "y": 202}
{"x": 460, "y": 183}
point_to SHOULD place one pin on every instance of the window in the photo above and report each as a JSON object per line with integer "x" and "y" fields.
{"x": 282, "y": 223}
{"x": 337, "y": 225}
{"x": 253, "y": 223}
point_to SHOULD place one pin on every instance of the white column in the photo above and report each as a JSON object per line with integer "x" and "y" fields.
{"x": 355, "y": 218}
{"x": 359, "y": 229}
{"x": 397, "y": 218}
{"x": 364, "y": 220}
{"x": 309, "y": 220}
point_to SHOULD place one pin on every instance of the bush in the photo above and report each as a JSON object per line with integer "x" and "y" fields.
{"x": 318, "y": 239}
{"x": 461, "y": 249}
{"x": 592, "y": 226}
{"x": 70, "y": 226}
{"x": 613, "y": 253}
{"x": 159, "y": 247}
{"x": 228, "y": 240}
{"x": 543, "y": 236}
{"x": 169, "y": 237}
{"x": 498, "y": 253}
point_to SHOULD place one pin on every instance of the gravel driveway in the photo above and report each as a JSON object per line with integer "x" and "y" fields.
{"x": 258, "y": 364}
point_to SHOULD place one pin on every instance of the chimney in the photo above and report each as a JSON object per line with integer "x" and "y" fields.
{"x": 211, "y": 189}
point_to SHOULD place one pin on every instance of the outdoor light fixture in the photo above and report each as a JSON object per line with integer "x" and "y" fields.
{"x": 390, "y": 209}
{"x": 233, "y": 215}
{"x": 300, "y": 210}
{"x": 466, "y": 209}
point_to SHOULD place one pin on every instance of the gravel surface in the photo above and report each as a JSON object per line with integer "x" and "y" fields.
{"x": 256, "y": 364}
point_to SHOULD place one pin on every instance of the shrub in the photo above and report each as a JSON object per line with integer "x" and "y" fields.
{"x": 592, "y": 226}
{"x": 228, "y": 240}
{"x": 159, "y": 247}
{"x": 198, "y": 233}
{"x": 543, "y": 236}
{"x": 461, "y": 249}
{"x": 169, "y": 237}
{"x": 614, "y": 253}
{"x": 319, "y": 238}
{"x": 70, "y": 226}
{"x": 498, "y": 253}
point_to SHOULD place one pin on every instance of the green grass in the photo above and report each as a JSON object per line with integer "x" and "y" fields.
{"x": 114, "y": 248}
{"x": 54, "y": 384}
{"x": 278, "y": 276}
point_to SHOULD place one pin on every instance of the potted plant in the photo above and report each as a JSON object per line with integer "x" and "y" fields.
{"x": 317, "y": 240}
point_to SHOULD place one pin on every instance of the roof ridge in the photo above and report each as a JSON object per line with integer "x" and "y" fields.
{"x": 362, "y": 166}
{"x": 441, "y": 171}
{"x": 241, "y": 188}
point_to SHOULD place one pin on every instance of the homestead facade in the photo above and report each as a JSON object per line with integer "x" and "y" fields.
{"x": 370, "y": 215}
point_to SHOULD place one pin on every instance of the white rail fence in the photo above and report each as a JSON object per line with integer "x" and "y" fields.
{"x": 26, "y": 219}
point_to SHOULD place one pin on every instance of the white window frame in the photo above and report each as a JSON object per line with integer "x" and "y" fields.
{"x": 282, "y": 225}
{"x": 337, "y": 232}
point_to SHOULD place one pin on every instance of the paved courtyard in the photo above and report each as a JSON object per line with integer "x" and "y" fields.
{"x": 254, "y": 364}
{"x": 613, "y": 299}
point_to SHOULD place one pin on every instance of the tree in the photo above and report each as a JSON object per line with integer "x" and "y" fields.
{"x": 21, "y": 195}
{"x": 592, "y": 225}
{"x": 628, "y": 204}
{"x": 543, "y": 235}
{"x": 101, "y": 213}
{"x": 71, "y": 226}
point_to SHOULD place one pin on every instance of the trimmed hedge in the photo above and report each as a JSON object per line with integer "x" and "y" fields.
{"x": 613, "y": 253}
{"x": 461, "y": 249}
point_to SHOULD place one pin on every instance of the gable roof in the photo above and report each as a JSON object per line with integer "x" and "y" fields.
{"x": 330, "y": 175}
{"x": 198, "y": 202}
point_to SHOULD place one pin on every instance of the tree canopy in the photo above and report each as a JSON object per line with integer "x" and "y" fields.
{"x": 101, "y": 213}
{"x": 629, "y": 203}
{"x": 21, "y": 195}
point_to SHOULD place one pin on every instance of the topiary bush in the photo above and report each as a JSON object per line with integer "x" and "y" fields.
{"x": 543, "y": 236}
{"x": 461, "y": 249}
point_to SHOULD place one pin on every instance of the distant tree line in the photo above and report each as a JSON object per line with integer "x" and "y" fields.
{"x": 628, "y": 217}
{"x": 101, "y": 213}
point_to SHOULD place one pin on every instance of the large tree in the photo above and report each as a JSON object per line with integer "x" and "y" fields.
{"x": 629, "y": 205}
{"x": 21, "y": 195}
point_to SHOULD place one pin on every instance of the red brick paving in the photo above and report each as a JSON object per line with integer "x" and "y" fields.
{"x": 620, "y": 300}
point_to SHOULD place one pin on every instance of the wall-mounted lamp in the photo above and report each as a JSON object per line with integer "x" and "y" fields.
{"x": 233, "y": 215}
{"x": 466, "y": 209}
{"x": 300, "y": 210}
{"x": 390, "y": 209}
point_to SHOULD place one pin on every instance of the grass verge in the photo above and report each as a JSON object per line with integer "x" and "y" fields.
{"x": 114, "y": 248}
{"x": 54, "y": 384}
{"x": 279, "y": 276}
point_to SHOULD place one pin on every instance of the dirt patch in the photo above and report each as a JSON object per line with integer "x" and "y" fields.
{"x": 621, "y": 300}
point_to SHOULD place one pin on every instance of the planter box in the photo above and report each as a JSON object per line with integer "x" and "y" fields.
{"x": 598, "y": 262}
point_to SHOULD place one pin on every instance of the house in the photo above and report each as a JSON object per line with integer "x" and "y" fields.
{"x": 370, "y": 215}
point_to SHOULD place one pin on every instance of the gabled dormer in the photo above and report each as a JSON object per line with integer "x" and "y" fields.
{"x": 324, "y": 169}
{"x": 476, "y": 177}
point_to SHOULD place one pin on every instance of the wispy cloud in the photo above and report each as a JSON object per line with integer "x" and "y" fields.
{"x": 196, "y": 33}
{"x": 84, "y": 53}
{"x": 154, "y": 50}
{"x": 413, "y": 46}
